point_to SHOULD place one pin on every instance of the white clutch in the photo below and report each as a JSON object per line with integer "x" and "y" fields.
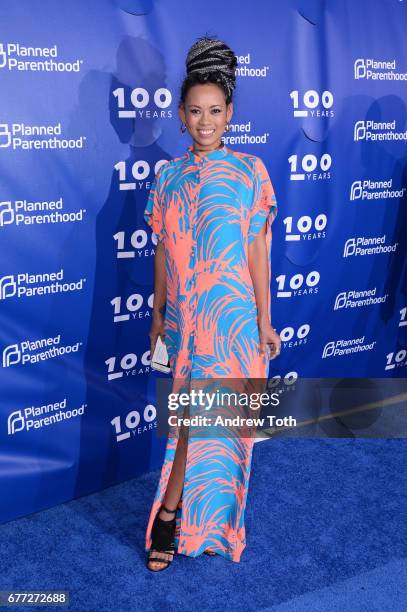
{"x": 159, "y": 360}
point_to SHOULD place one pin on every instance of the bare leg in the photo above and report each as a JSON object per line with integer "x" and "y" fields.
{"x": 174, "y": 489}
{"x": 176, "y": 479}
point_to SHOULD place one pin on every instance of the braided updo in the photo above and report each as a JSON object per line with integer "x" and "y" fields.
{"x": 210, "y": 60}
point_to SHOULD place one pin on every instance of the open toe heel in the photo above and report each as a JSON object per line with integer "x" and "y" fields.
{"x": 162, "y": 540}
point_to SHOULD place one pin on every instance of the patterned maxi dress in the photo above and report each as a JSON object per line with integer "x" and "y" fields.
{"x": 207, "y": 210}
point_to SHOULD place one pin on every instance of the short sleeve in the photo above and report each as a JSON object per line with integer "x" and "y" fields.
{"x": 264, "y": 205}
{"x": 153, "y": 214}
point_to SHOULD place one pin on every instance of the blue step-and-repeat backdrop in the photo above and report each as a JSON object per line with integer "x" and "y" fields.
{"x": 88, "y": 113}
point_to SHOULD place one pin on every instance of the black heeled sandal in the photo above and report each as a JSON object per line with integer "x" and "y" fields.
{"x": 162, "y": 539}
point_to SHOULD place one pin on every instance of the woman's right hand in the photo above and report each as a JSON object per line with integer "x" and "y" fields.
{"x": 157, "y": 329}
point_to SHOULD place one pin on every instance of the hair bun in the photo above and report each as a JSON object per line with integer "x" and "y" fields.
{"x": 210, "y": 55}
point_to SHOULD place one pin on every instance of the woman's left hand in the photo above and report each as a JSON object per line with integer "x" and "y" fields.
{"x": 269, "y": 337}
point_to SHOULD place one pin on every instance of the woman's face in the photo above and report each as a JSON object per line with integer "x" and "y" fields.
{"x": 205, "y": 114}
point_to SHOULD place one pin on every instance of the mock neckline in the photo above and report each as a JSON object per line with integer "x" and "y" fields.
{"x": 196, "y": 159}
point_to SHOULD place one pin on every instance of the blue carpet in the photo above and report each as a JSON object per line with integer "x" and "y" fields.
{"x": 326, "y": 530}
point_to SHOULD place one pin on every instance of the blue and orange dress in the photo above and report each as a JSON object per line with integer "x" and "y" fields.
{"x": 207, "y": 210}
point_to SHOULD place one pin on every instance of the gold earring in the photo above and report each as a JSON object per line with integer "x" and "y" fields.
{"x": 183, "y": 128}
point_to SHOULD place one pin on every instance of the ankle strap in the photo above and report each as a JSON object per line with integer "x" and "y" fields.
{"x": 169, "y": 511}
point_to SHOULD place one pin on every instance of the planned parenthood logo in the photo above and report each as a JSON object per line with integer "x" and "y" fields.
{"x": 29, "y": 285}
{"x": 245, "y": 134}
{"x": 375, "y": 190}
{"x": 37, "y": 417}
{"x": 15, "y": 56}
{"x": 377, "y": 130}
{"x": 25, "y": 212}
{"x": 245, "y": 67}
{"x": 373, "y": 70}
{"x": 30, "y": 352}
{"x": 24, "y": 137}
{"x": 362, "y": 245}
{"x": 339, "y": 348}
{"x": 357, "y": 299}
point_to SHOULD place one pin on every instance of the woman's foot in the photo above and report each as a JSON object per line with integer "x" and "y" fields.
{"x": 162, "y": 548}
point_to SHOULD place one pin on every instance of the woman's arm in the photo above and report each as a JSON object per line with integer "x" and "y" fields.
{"x": 259, "y": 272}
{"x": 160, "y": 296}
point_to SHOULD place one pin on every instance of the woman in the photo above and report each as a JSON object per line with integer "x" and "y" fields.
{"x": 212, "y": 210}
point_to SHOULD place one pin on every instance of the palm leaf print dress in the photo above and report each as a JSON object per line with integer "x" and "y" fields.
{"x": 207, "y": 210}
